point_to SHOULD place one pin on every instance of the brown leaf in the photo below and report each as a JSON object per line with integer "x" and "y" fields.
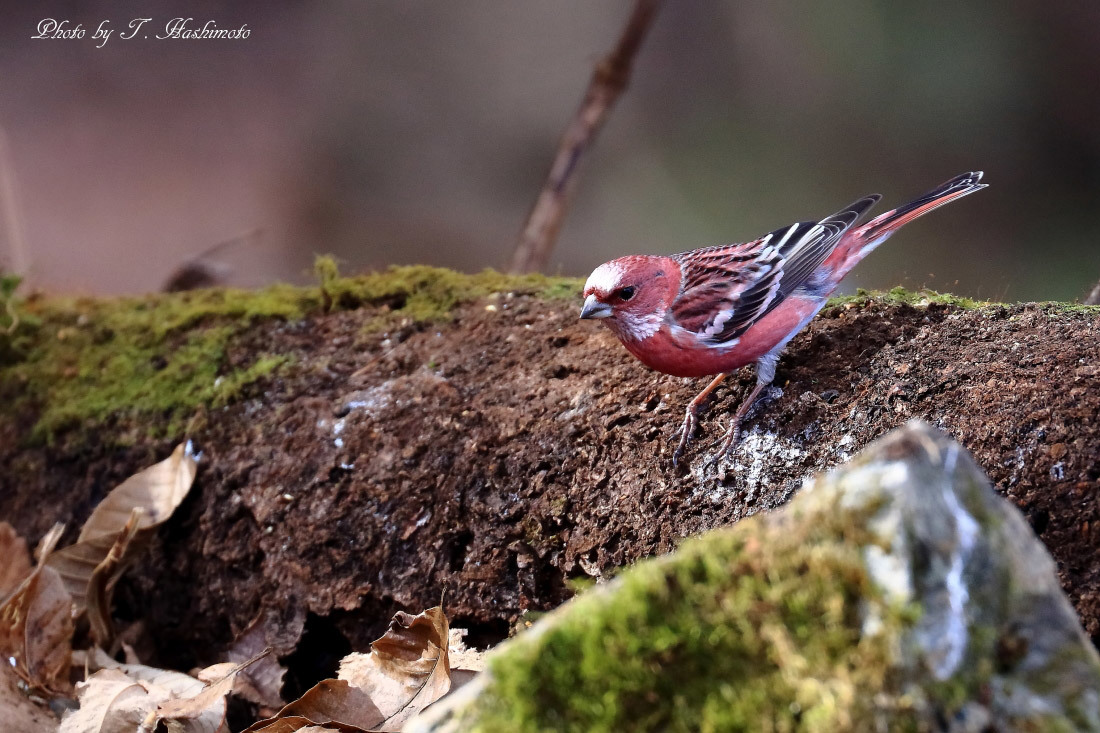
{"x": 405, "y": 671}
{"x": 329, "y": 702}
{"x": 157, "y": 490}
{"x": 152, "y": 494}
{"x": 110, "y": 702}
{"x": 298, "y": 724}
{"x": 203, "y": 712}
{"x": 77, "y": 563}
{"x": 102, "y": 582}
{"x": 135, "y": 697}
{"x": 36, "y": 630}
{"x": 465, "y": 663}
{"x": 16, "y": 563}
{"x": 261, "y": 683}
{"x": 19, "y": 712}
{"x": 48, "y": 542}
{"x": 171, "y": 683}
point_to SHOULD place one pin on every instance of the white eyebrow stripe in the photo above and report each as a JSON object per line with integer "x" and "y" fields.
{"x": 605, "y": 278}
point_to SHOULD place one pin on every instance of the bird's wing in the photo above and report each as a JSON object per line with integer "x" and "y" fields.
{"x": 725, "y": 289}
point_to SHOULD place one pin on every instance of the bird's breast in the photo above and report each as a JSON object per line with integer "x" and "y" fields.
{"x": 685, "y": 356}
{"x": 684, "y": 353}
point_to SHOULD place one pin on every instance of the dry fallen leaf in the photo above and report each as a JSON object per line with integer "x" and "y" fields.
{"x": 262, "y": 683}
{"x": 76, "y": 564}
{"x": 15, "y": 560}
{"x": 152, "y": 494}
{"x": 36, "y": 630}
{"x": 175, "y": 684}
{"x": 299, "y": 724}
{"x": 203, "y": 712}
{"x": 405, "y": 671}
{"x": 135, "y": 697}
{"x": 327, "y": 703}
{"x": 158, "y": 490}
{"x": 48, "y": 542}
{"x": 102, "y": 582}
{"x": 110, "y": 702}
{"x": 465, "y": 663}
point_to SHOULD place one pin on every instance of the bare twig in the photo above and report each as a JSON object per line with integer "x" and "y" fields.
{"x": 608, "y": 81}
{"x": 1094, "y": 296}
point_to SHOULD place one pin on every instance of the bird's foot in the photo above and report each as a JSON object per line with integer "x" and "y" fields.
{"x": 690, "y": 417}
{"x": 729, "y": 442}
{"x": 687, "y": 430}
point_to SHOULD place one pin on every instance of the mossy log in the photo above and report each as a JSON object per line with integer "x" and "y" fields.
{"x": 373, "y": 442}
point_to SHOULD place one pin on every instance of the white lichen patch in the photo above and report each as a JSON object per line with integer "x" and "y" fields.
{"x": 190, "y": 451}
{"x": 757, "y": 460}
{"x": 862, "y": 484}
{"x": 889, "y": 569}
{"x": 842, "y": 453}
{"x": 760, "y": 450}
{"x": 954, "y": 634}
{"x": 371, "y": 400}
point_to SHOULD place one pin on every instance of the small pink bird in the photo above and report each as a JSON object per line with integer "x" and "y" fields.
{"x": 716, "y": 309}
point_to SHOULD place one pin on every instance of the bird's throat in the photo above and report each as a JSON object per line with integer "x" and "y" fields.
{"x": 632, "y": 327}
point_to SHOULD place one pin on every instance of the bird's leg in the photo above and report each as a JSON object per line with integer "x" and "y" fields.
{"x": 734, "y": 431}
{"x": 690, "y": 417}
{"x": 765, "y": 373}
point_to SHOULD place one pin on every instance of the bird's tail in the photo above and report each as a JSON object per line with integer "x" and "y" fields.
{"x": 858, "y": 243}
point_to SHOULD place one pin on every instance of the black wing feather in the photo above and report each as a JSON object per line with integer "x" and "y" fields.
{"x": 785, "y": 260}
{"x": 805, "y": 257}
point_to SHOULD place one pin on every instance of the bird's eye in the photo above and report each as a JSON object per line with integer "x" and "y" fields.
{"x": 625, "y": 293}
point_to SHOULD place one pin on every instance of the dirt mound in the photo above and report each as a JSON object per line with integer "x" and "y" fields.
{"x": 498, "y": 457}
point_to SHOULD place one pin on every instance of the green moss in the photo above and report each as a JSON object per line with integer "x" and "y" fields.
{"x": 428, "y": 294}
{"x": 159, "y": 355}
{"x": 1057, "y": 308}
{"x": 579, "y": 585}
{"x": 9, "y": 318}
{"x": 82, "y": 361}
{"x": 775, "y": 624}
{"x": 753, "y": 628}
{"x": 901, "y": 296}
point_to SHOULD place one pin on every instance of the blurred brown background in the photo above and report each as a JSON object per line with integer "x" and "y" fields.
{"x": 401, "y": 132}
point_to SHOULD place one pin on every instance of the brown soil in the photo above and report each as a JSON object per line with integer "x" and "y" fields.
{"x": 492, "y": 460}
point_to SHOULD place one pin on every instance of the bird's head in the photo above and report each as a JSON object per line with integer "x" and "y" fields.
{"x": 632, "y": 294}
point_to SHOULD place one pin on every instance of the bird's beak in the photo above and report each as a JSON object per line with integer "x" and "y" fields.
{"x": 594, "y": 308}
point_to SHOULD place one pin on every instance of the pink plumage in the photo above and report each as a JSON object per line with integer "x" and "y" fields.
{"x": 713, "y": 310}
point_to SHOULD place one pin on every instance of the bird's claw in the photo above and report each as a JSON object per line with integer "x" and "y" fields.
{"x": 687, "y": 428}
{"x": 729, "y": 442}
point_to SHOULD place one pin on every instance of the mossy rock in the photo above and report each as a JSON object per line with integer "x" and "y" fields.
{"x": 896, "y": 593}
